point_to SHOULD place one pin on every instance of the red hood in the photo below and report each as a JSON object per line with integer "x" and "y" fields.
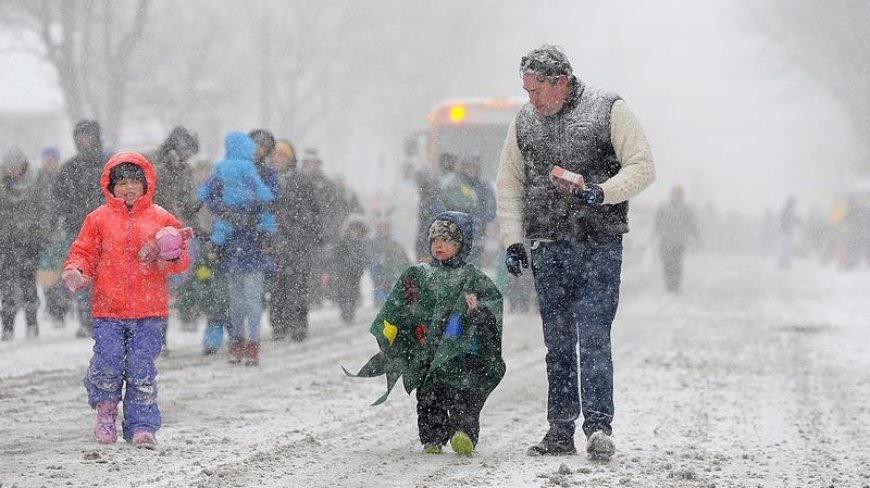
{"x": 140, "y": 161}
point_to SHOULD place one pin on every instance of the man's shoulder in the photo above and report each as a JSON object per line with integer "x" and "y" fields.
{"x": 594, "y": 91}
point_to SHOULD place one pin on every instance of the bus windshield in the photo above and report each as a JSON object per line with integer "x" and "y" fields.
{"x": 471, "y": 127}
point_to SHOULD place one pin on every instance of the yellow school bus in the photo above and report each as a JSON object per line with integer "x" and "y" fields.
{"x": 470, "y": 126}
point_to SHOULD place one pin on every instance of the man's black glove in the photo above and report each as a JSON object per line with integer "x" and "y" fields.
{"x": 516, "y": 259}
{"x": 589, "y": 195}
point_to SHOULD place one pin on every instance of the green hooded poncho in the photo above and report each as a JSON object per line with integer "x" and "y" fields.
{"x": 426, "y": 333}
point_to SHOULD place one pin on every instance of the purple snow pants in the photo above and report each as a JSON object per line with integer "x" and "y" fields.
{"x": 124, "y": 354}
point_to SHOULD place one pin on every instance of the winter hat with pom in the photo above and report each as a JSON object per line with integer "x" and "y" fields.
{"x": 446, "y": 231}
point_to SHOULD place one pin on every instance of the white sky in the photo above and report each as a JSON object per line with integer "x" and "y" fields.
{"x": 726, "y": 115}
{"x": 25, "y": 82}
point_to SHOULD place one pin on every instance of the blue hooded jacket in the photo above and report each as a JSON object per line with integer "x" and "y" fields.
{"x": 236, "y": 175}
{"x": 464, "y": 222}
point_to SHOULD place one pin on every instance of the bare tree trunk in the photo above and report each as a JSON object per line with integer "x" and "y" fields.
{"x": 823, "y": 40}
{"x": 90, "y": 54}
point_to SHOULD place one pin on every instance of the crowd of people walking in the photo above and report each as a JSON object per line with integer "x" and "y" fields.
{"x": 259, "y": 231}
{"x": 274, "y": 229}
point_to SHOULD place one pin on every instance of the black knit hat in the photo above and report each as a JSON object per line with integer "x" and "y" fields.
{"x": 126, "y": 171}
{"x": 89, "y": 127}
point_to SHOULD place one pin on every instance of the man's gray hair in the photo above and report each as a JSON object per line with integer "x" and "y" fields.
{"x": 546, "y": 61}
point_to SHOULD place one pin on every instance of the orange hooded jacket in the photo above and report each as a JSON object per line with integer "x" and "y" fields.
{"x": 106, "y": 249}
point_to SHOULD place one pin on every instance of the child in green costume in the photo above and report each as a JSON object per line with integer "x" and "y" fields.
{"x": 440, "y": 329}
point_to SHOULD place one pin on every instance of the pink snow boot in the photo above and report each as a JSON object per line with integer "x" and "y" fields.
{"x": 106, "y": 431}
{"x": 144, "y": 440}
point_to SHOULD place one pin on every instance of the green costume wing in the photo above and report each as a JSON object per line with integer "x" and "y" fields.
{"x": 426, "y": 334}
{"x": 409, "y": 305}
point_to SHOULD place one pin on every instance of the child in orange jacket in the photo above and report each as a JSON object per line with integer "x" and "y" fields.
{"x": 126, "y": 249}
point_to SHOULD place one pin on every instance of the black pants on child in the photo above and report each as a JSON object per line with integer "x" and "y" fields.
{"x": 442, "y": 410}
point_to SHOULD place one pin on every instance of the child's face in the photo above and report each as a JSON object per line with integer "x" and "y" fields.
{"x": 443, "y": 250}
{"x": 129, "y": 190}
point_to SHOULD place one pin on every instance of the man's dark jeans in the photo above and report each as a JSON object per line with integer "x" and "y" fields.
{"x": 578, "y": 292}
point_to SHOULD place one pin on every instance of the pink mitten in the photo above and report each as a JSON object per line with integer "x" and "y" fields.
{"x": 72, "y": 279}
{"x": 169, "y": 241}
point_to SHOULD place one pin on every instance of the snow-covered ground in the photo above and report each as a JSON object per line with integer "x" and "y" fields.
{"x": 752, "y": 377}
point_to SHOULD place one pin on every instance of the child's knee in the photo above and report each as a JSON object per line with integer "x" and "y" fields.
{"x": 142, "y": 391}
{"x": 106, "y": 379}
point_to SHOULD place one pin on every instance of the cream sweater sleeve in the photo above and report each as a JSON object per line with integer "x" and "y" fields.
{"x": 510, "y": 184}
{"x": 633, "y": 151}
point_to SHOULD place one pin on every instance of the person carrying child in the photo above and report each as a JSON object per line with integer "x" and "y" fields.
{"x": 243, "y": 225}
{"x": 126, "y": 250}
{"x": 441, "y": 329}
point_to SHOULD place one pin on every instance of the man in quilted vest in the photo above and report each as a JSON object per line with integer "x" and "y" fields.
{"x": 572, "y": 158}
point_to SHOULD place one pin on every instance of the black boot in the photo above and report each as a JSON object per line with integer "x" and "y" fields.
{"x": 553, "y": 444}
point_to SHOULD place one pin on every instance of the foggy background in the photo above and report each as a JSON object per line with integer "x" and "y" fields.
{"x": 744, "y": 102}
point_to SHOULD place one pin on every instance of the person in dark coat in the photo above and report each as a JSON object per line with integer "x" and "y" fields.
{"x": 23, "y": 231}
{"x": 177, "y": 194}
{"x": 788, "y": 227}
{"x": 57, "y": 300}
{"x": 299, "y": 220}
{"x": 351, "y": 257}
{"x": 312, "y": 167}
{"x": 76, "y": 193}
{"x": 675, "y": 225}
{"x": 263, "y": 155}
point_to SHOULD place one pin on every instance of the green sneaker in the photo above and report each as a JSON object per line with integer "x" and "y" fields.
{"x": 432, "y": 449}
{"x": 461, "y": 443}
